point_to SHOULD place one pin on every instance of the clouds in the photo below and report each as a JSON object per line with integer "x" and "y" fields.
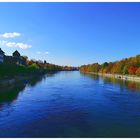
{"x": 10, "y": 35}
{"x": 14, "y": 44}
{"x": 46, "y": 53}
{"x": 10, "y": 44}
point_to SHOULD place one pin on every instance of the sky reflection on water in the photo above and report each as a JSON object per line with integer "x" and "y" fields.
{"x": 70, "y": 104}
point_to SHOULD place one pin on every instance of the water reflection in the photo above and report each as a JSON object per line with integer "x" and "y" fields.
{"x": 68, "y": 104}
{"x": 131, "y": 85}
{"x": 10, "y": 93}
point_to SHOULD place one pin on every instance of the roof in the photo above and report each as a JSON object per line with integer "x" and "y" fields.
{"x": 1, "y": 51}
{"x": 16, "y": 53}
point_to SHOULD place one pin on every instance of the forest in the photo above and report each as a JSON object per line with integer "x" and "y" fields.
{"x": 126, "y": 66}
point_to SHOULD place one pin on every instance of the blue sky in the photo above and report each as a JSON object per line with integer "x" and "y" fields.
{"x": 71, "y": 33}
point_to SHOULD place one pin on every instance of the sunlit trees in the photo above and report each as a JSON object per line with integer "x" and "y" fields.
{"x": 109, "y": 67}
{"x": 34, "y": 66}
{"x": 125, "y": 66}
{"x": 125, "y": 69}
{"x": 117, "y": 68}
{"x": 132, "y": 70}
{"x": 138, "y": 72}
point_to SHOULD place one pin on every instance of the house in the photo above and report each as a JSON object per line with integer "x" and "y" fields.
{"x": 16, "y": 54}
{"x": 1, "y": 56}
{"x": 16, "y": 58}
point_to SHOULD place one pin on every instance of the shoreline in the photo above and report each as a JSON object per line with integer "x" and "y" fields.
{"x": 118, "y": 76}
{"x": 19, "y": 79}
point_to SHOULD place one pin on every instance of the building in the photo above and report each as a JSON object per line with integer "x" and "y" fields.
{"x": 16, "y": 58}
{"x": 1, "y": 56}
{"x": 16, "y": 54}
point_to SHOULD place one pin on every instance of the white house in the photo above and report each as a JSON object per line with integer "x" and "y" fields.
{"x": 1, "y": 56}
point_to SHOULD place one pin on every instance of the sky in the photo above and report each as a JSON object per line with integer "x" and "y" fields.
{"x": 71, "y": 33}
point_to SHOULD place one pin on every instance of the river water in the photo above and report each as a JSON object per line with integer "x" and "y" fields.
{"x": 71, "y": 104}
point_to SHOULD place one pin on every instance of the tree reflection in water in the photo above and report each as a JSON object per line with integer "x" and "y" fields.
{"x": 131, "y": 85}
{"x": 10, "y": 94}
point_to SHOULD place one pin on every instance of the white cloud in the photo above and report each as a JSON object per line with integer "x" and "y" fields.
{"x": 46, "y": 53}
{"x": 2, "y": 43}
{"x": 42, "y": 53}
{"x": 14, "y": 44}
{"x": 10, "y": 35}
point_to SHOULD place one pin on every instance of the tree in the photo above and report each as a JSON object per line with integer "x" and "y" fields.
{"x": 132, "y": 70}
{"x": 109, "y": 68}
{"x": 138, "y": 72}
{"x": 125, "y": 69}
{"x": 124, "y": 66}
{"x": 34, "y": 66}
{"x": 105, "y": 64}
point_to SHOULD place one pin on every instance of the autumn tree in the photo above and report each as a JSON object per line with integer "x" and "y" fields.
{"x": 138, "y": 72}
{"x": 124, "y": 66}
{"x": 132, "y": 70}
{"x": 125, "y": 69}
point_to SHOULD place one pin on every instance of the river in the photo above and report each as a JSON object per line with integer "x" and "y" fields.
{"x": 71, "y": 104}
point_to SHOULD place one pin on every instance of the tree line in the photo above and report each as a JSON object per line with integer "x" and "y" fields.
{"x": 125, "y": 66}
{"x": 31, "y": 66}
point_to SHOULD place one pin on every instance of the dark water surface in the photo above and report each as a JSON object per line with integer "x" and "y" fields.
{"x": 70, "y": 104}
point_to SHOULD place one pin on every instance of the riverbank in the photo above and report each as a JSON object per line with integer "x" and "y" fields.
{"x": 118, "y": 76}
